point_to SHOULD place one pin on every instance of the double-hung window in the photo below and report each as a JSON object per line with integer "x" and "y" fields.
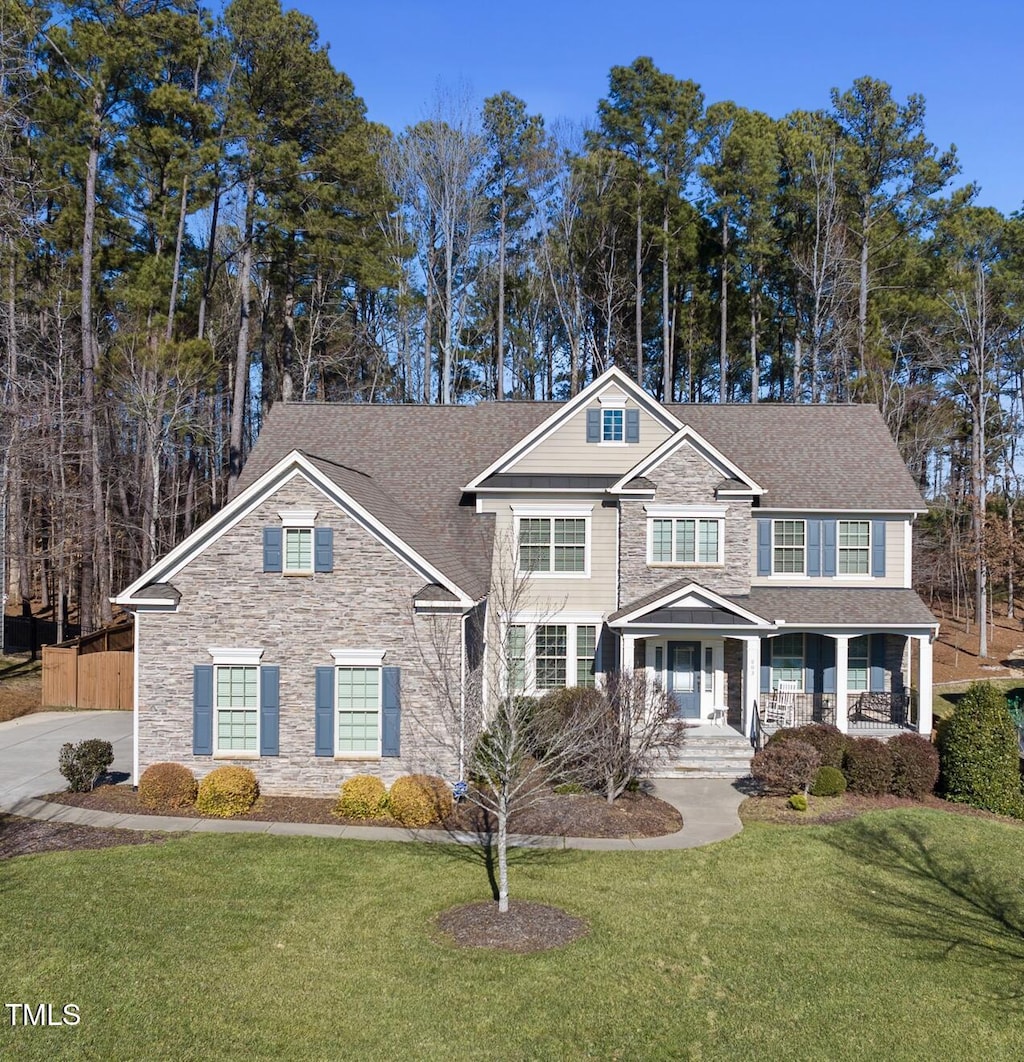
{"x": 237, "y": 707}
{"x": 549, "y": 656}
{"x": 788, "y": 660}
{"x": 854, "y": 547}
{"x": 298, "y": 550}
{"x": 358, "y": 707}
{"x": 553, "y": 544}
{"x": 789, "y": 547}
{"x": 857, "y": 663}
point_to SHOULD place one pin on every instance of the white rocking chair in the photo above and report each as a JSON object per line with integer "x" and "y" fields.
{"x": 781, "y": 707}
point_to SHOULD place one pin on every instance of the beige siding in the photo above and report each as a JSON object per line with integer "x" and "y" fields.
{"x": 566, "y": 449}
{"x": 895, "y": 543}
{"x": 551, "y": 594}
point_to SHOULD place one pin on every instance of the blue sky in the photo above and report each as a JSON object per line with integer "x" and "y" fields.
{"x": 966, "y": 59}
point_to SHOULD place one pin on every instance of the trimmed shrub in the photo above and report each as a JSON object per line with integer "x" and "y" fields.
{"x": 84, "y": 764}
{"x": 868, "y": 766}
{"x": 362, "y": 796}
{"x": 227, "y": 791}
{"x": 419, "y": 799}
{"x": 915, "y": 762}
{"x": 167, "y": 787}
{"x": 798, "y": 802}
{"x": 829, "y": 782}
{"x": 785, "y": 767}
{"x": 979, "y": 754}
{"x": 827, "y": 739}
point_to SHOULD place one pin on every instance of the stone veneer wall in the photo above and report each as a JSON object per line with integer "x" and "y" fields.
{"x": 228, "y": 601}
{"x": 733, "y": 665}
{"x": 685, "y": 479}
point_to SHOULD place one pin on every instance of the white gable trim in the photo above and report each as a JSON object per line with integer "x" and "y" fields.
{"x": 702, "y": 447}
{"x": 612, "y": 377}
{"x": 290, "y": 466}
{"x": 688, "y": 591}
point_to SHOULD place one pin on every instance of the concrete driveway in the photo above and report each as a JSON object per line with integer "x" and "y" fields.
{"x": 30, "y": 745}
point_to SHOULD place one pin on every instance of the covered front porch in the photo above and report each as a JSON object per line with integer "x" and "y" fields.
{"x": 728, "y": 666}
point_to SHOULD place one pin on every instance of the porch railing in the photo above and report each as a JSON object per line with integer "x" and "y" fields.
{"x": 865, "y": 711}
{"x": 806, "y": 707}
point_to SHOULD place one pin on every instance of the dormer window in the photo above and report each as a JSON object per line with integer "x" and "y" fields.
{"x": 613, "y": 425}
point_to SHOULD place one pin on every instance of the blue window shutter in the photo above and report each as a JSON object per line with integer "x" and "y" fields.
{"x": 391, "y": 703}
{"x": 766, "y": 664}
{"x": 878, "y": 548}
{"x": 593, "y": 425}
{"x": 814, "y": 547}
{"x": 764, "y": 547}
{"x": 812, "y": 663}
{"x": 202, "y": 710}
{"x": 876, "y": 681}
{"x": 324, "y": 745}
{"x": 828, "y": 664}
{"x": 323, "y": 551}
{"x": 632, "y": 425}
{"x": 270, "y": 710}
{"x": 828, "y": 547}
{"x": 272, "y": 549}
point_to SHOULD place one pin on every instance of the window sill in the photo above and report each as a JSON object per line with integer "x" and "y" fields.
{"x": 297, "y": 575}
{"x": 555, "y": 575}
{"x": 357, "y": 757}
{"x": 236, "y": 756}
{"x": 685, "y": 564}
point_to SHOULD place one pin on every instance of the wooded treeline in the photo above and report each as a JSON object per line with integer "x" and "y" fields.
{"x": 197, "y": 220}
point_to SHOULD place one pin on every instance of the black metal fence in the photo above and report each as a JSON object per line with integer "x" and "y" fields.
{"x": 27, "y": 634}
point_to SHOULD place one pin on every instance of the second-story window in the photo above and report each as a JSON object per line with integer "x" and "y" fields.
{"x": 854, "y": 547}
{"x": 298, "y": 549}
{"x": 613, "y": 425}
{"x": 789, "y": 547}
{"x": 686, "y": 541}
{"x": 553, "y": 544}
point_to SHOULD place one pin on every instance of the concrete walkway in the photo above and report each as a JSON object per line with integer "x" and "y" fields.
{"x": 28, "y": 765}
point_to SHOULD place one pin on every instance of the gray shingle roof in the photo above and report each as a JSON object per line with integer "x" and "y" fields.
{"x": 407, "y": 464}
{"x": 813, "y": 457}
{"x": 867, "y": 606}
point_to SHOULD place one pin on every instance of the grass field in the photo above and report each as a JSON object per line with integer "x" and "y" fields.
{"x": 898, "y": 935}
{"x": 946, "y": 696}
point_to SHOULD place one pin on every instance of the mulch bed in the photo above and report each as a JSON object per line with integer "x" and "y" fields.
{"x": 20, "y": 836}
{"x": 525, "y": 927}
{"x": 570, "y": 815}
{"x": 825, "y": 811}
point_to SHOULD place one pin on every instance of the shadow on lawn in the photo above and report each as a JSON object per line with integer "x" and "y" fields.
{"x": 483, "y": 851}
{"x": 939, "y": 897}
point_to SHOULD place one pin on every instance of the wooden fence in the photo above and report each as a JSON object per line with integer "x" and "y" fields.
{"x": 95, "y": 671}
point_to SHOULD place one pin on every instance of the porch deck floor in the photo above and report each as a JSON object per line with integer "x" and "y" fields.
{"x": 712, "y": 730}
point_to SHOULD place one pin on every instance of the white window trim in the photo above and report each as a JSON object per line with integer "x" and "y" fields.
{"x": 358, "y": 657}
{"x": 351, "y": 658}
{"x": 652, "y": 563}
{"x": 298, "y": 517}
{"x": 840, "y": 548}
{"x": 285, "y": 570}
{"x": 562, "y": 512}
{"x": 617, "y": 401}
{"x": 571, "y": 622}
{"x": 226, "y": 657}
{"x": 718, "y": 512}
{"x": 789, "y": 575}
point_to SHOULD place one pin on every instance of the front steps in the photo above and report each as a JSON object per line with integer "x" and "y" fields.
{"x": 709, "y": 752}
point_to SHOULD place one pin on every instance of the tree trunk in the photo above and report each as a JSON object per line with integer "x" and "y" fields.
{"x": 242, "y": 345}
{"x": 723, "y": 315}
{"x": 666, "y": 325}
{"x": 502, "y": 855}
{"x": 639, "y": 289}
{"x": 862, "y": 294}
{"x": 499, "y": 352}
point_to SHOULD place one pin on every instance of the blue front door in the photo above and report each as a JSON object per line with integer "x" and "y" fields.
{"x": 684, "y": 677}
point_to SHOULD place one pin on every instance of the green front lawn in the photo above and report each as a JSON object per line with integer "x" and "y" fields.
{"x": 898, "y": 935}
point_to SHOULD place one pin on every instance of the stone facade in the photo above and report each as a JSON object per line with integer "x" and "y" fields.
{"x": 228, "y": 601}
{"x": 685, "y": 478}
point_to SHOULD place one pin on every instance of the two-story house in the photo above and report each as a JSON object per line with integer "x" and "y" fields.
{"x": 731, "y": 550}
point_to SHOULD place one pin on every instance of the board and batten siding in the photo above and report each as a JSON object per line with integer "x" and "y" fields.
{"x": 227, "y": 600}
{"x": 549, "y": 593}
{"x": 896, "y": 542}
{"x": 566, "y": 449}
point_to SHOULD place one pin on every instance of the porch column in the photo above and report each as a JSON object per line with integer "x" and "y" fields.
{"x": 842, "y": 681}
{"x": 924, "y": 685}
{"x": 751, "y": 681}
{"x": 628, "y": 652}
